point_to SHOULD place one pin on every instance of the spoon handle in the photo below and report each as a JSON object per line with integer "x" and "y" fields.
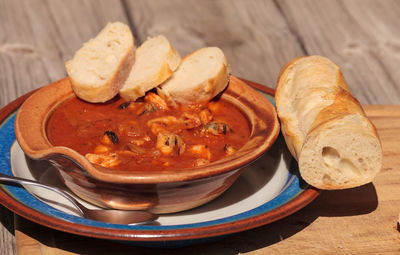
{"x": 18, "y": 180}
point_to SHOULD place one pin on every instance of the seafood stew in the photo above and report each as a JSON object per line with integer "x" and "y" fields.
{"x": 148, "y": 134}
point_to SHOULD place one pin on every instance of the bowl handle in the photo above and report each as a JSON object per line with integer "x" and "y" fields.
{"x": 30, "y": 122}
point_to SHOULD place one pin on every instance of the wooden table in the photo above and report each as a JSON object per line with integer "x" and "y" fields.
{"x": 258, "y": 37}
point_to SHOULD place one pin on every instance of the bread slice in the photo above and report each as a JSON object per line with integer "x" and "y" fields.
{"x": 155, "y": 61}
{"x": 98, "y": 69}
{"x": 201, "y": 76}
{"x": 325, "y": 127}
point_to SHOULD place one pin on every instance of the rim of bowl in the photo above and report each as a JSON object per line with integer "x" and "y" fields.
{"x": 31, "y": 119}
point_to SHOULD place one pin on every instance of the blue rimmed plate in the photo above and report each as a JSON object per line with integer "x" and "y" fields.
{"x": 268, "y": 190}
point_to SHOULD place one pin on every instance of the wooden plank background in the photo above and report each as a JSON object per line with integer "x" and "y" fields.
{"x": 258, "y": 37}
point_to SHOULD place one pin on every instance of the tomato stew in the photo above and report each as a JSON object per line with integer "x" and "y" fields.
{"x": 148, "y": 134}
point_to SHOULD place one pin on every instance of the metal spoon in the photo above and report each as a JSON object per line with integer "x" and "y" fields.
{"x": 103, "y": 215}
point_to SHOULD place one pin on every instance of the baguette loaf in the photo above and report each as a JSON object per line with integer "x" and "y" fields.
{"x": 156, "y": 60}
{"x": 200, "y": 77}
{"x": 99, "y": 69}
{"x": 324, "y": 126}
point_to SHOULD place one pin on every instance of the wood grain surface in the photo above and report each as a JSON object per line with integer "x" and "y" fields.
{"x": 258, "y": 37}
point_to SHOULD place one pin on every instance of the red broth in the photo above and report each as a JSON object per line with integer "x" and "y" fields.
{"x": 146, "y": 136}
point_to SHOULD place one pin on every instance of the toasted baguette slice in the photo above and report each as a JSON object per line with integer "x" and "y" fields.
{"x": 201, "y": 76}
{"x": 155, "y": 61}
{"x": 99, "y": 69}
{"x": 325, "y": 127}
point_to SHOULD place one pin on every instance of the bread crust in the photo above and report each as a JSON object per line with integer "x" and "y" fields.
{"x": 293, "y": 142}
{"x": 334, "y": 121}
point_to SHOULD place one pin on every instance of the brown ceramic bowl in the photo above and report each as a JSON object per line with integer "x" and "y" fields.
{"x": 159, "y": 191}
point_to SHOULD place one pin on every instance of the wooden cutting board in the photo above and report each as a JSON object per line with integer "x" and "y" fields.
{"x": 362, "y": 220}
